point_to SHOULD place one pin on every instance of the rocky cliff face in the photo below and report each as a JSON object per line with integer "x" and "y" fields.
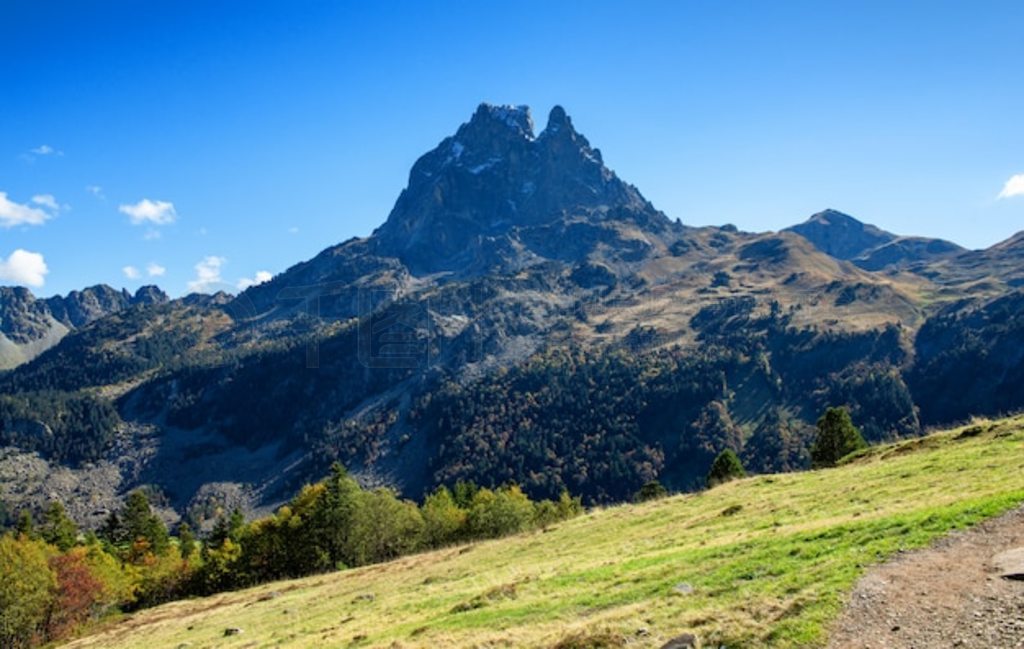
{"x": 79, "y": 308}
{"x": 22, "y": 317}
{"x": 29, "y": 325}
{"x": 494, "y": 183}
{"x": 493, "y": 199}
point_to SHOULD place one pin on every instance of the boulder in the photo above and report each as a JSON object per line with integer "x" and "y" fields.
{"x": 1010, "y": 564}
{"x": 684, "y": 641}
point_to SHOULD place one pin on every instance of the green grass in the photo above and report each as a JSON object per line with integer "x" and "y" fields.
{"x": 764, "y": 561}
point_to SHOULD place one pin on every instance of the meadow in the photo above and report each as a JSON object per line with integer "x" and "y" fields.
{"x": 762, "y": 561}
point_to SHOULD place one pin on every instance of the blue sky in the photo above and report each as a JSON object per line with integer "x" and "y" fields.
{"x": 251, "y": 135}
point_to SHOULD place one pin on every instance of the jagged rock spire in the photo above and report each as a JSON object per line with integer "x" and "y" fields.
{"x": 493, "y": 176}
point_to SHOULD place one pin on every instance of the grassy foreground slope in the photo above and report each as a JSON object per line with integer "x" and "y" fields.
{"x": 764, "y": 561}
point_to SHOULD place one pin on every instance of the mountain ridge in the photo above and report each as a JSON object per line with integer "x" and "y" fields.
{"x": 30, "y": 325}
{"x": 506, "y": 327}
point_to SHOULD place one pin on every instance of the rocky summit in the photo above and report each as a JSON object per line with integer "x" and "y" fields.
{"x": 522, "y": 315}
{"x": 495, "y": 180}
{"x": 29, "y": 326}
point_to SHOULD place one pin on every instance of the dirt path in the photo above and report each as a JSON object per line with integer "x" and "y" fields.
{"x": 949, "y": 595}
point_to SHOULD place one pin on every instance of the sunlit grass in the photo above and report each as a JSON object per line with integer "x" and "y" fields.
{"x": 764, "y": 561}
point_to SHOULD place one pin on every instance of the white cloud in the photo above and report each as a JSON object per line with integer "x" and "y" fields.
{"x": 1014, "y": 187}
{"x": 155, "y": 270}
{"x": 261, "y": 277}
{"x": 293, "y": 230}
{"x": 24, "y": 267}
{"x": 96, "y": 191}
{"x": 152, "y": 234}
{"x": 46, "y": 200}
{"x": 39, "y": 151}
{"x": 147, "y": 211}
{"x": 13, "y": 214}
{"x": 207, "y": 274}
{"x": 131, "y": 272}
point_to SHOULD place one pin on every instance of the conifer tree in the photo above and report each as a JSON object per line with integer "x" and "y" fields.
{"x": 837, "y": 438}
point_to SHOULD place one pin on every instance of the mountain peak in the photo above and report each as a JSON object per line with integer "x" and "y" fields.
{"x": 834, "y": 217}
{"x": 516, "y": 119}
{"x": 841, "y": 235}
{"x": 493, "y": 177}
{"x": 558, "y": 120}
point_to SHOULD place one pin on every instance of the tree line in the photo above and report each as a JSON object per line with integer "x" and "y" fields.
{"x": 54, "y": 579}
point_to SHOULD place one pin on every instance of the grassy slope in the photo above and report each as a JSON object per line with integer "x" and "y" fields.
{"x": 773, "y": 573}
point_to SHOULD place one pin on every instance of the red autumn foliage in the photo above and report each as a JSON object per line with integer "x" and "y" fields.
{"x": 78, "y": 593}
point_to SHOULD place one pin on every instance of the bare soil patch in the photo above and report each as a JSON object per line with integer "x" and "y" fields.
{"x": 948, "y": 595}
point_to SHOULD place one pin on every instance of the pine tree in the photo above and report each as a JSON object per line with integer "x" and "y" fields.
{"x": 140, "y": 523}
{"x": 186, "y": 540}
{"x": 837, "y": 438}
{"x": 26, "y": 526}
{"x": 113, "y": 531}
{"x": 57, "y": 529}
{"x": 726, "y": 467}
{"x": 652, "y": 490}
{"x": 335, "y": 516}
{"x": 227, "y": 528}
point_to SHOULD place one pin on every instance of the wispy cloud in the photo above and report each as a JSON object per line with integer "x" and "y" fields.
{"x": 152, "y": 212}
{"x": 24, "y": 268}
{"x": 260, "y": 277}
{"x": 155, "y": 270}
{"x": 13, "y": 214}
{"x": 1014, "y": 187}
{"x": 207, "y": 274}
{"x": 45, "y": 149}
{"x": 96, "y": 191}
{"x": 152, "y": 234}
{"x": 131, "y": 272}
{"x": 46, "y": 200}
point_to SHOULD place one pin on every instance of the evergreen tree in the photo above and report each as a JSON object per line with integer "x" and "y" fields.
{"x": 26, "y": 526}
{"x": 569, "y": 506}
{"x": 57, "y": 529}
{"x": 726, "y": 467}
{"x": 140, "y": 523}
{"x": 227, "y": 528}
{"x": 333, "y": 520}
{"x": 652, "y": 490}
{"x": 463, "y": 493}
{"x": 113, "y": 531}
{"x": 186, "y": 540}
{"x": 837, "y": 438}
